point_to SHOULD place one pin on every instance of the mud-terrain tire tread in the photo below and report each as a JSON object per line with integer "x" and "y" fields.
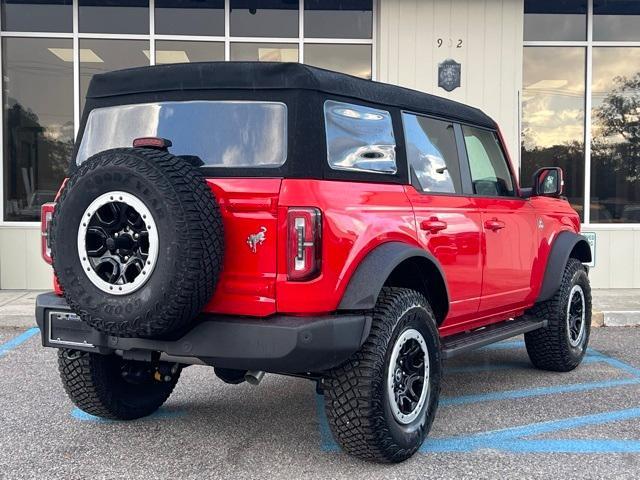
{"x": 201, "y": 231}
{"x": 89, "y": 386}
{"x": 549, "y": 348}
{"x": 354, "y": 411}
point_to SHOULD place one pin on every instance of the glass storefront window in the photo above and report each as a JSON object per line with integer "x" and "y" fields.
{"x": 99, "y": 56}
{"x": 616, "y": 20}
{"x": 37, "y": 122}
{"x": 264, "y": 52}
{"x": 550, "y": 20}
{"x": 176, "y": 51}
{"x": 273, "y": 18}
{"x": 351, "y": 59}
{"x": 553, "y": 101}
{"x": 113, "y": 16}
{"x": 189, "y": 17}
{"x": 338, "y": 18}
{"x": 37, "y": 16}
{"x": 115, "y": 34}
{"x": 615, "y": 133}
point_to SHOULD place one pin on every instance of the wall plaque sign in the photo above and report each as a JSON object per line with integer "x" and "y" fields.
{"x": 449, "y": 74}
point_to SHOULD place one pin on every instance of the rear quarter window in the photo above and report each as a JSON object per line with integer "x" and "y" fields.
{"x": 359, "y": 138}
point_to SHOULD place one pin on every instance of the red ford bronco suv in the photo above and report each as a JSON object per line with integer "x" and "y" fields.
{"x": 280, "y": 218}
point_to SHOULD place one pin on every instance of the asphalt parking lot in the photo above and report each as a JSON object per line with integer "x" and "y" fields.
{"x": 499, "y": 418}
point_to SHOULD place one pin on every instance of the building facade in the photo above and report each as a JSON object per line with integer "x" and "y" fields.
{"x": 561, "y": 77}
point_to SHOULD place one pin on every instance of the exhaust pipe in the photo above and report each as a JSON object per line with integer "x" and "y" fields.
{"x": 254, "y": 377}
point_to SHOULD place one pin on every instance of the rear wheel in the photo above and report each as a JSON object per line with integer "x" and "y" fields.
{"x": 562, "y": 344}
{"x": 108, "y": 386}
{"x": 381, "y": 403}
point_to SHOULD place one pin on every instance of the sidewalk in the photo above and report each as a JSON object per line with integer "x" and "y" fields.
{"x": 611, "y": 308}
{"x": 17, "y": 308}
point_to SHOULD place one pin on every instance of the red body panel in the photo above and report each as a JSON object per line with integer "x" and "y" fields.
{"x": 357, "y": 217}
{"x": 247, "y": 285}
{"x": 493, "y": 251}
{"x": 457, "y": 247}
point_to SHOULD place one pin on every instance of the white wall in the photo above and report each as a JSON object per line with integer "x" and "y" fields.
{"x": 21, "y": 266}
{"x": 490, "y": 32}
{"x": 617, "y": 257}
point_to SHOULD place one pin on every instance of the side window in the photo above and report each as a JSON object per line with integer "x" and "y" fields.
{"x": 489, "y": 171}
{"x": 432, "y": 153}
{"x": 359, "y": 138}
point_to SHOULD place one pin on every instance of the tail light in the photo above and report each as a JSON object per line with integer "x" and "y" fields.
{"x": 46, "y": 213}
{"x": 304, "y": 246}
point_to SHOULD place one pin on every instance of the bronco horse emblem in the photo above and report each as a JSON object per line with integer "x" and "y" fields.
{"x": 256, "y": 239}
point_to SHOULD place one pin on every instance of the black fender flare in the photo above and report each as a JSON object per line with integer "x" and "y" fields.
{"x": 565, "y": 243}
{"x": 372, "y": 273}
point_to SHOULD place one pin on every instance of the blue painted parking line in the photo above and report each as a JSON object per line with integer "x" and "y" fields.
{"x": 535, "y": 392}
{"x": 17, "y": 341}
{"x": 514, "y": 439}
{"x": 511, "y": 439}
{"x": 162, "y": 414}
{"x": 327, "y": 443}
{"x": 490, "y": 367}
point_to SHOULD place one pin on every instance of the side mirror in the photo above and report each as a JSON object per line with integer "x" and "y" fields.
{"x": 548, "y": 182}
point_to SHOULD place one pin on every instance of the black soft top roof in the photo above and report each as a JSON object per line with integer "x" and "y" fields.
{"x": 270, "y": 76}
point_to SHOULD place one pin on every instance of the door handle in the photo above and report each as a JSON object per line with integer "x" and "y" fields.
{"x": 494, "y": 224}
{"x": 433, "y": 225}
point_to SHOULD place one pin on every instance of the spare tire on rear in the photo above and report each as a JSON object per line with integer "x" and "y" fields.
{"x": 137, "y": 242}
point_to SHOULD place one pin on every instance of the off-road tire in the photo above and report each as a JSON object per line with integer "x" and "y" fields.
{"x": 190, "y": 235}
{"x": 356, "y": 403}
{"x": 549, "y": 348}
{"x": 95, "y": 385}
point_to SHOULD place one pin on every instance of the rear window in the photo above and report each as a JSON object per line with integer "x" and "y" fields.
{"x": 221, "y": 133}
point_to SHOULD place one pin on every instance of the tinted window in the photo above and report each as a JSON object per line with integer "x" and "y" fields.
{"x": 222, "y": 134}
{"x": 352, "y": 59}
{"x": 555, "y": 19}
{"x": 553, "y": 101}
{"x": 275, "y": 18}
{"x": 114, "y": 16}
{"x": 359, "y": 138}
{"x": 38, "y": 122}
{"x": 189, "y": 17}
{"x": 615, "y": 155}
{"x": 489, "y": 171}
{"x": 264, "y": 52}
{"x": 432, "y": 153}
{"x": 100, "y": 55}
{"x": 37, "y": 16}
{"x": 338, "y": 18}
{"x": 616, "y": 20}
{"x": 177, "y": 51}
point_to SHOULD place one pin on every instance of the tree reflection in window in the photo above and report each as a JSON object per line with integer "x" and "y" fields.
{"x": 615, "y": 146}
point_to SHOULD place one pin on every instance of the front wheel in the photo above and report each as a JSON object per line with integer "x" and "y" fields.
{"x": 108, "y": 386}
{"x": 381, "y": 402}
{"x": 561, "y": 346}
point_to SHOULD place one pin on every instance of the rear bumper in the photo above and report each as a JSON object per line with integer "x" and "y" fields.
{"x": 275, "y": 344}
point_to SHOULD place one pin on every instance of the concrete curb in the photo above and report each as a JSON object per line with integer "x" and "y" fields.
{"x": 620, "y": 318}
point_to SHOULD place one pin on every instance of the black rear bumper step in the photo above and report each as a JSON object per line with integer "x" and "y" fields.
{"x": 463, "y": 342}
{"x": 278, "y": 343}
